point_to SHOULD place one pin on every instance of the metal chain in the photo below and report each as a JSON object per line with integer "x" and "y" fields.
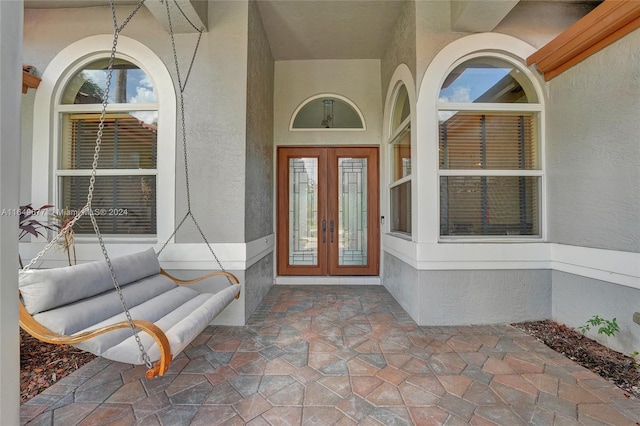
{"x": 87, "y": 207}
{"x": 55, "y": 239}
{"x": 184, "y": 135}
{"x": 96, "y": 155}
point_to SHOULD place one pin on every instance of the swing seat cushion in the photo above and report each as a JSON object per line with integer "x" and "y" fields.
{"x": 44, "y": 289}
{"x": 59, "y": 300}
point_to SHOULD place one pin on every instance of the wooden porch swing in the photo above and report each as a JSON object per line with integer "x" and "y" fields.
{"x": 92, "y": 305}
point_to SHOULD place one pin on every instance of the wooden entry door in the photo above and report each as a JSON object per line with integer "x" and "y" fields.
{"x": 328, "y": 211}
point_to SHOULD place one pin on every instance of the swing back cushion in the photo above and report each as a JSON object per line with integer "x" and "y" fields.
{"x": 44, "y": 289}
{"x": 81, "y": 298}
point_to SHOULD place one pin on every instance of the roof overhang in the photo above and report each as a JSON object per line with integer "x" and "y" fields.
{"x": 610, "y": 21}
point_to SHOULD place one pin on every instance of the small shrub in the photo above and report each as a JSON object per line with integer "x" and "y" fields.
{"x": 607, "y": 327}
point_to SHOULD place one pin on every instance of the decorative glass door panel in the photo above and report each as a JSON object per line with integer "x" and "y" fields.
{"x": 352, "y": 211}
{"x": 303, "y": 211}
{"x": 328, "y": 211}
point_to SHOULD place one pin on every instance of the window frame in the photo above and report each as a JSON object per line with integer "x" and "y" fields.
{"x": 59, "y": 109}
{"x": 47, "y": 127}
{"x": 534, "y": 107}
{"x": 395, "y": 135}
{"x": 344, "y": 99}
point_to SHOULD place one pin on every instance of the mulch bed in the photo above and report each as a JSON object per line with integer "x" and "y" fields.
{"x": 42, "y": 364}
{"x": 618, "y": 368}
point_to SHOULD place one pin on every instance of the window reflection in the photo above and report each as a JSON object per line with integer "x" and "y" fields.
{"x": 485, "y": 79}
{"x": 129, "y": 84}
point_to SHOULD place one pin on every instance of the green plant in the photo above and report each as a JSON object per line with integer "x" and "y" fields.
{"x": 607, "y": 327}
{"x": 28, "y": 225}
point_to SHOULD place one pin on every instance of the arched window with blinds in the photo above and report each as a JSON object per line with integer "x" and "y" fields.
{"x": 400, "y": 146}
{"x": 125, "y": 190}
{"x": 490, "y": 170}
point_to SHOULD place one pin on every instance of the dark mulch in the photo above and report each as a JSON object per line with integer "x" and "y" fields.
{"x": 618, "y": 368}
{"x": 42, "y": 364}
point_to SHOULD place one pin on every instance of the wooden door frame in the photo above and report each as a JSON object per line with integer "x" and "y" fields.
{"x": 329, "y": 174}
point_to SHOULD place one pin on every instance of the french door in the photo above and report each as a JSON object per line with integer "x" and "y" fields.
{"x": 328, "y": 211}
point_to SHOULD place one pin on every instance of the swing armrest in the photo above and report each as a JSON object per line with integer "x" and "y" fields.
{"x": 40, "y": 332}
{"x": 178, "y": 281}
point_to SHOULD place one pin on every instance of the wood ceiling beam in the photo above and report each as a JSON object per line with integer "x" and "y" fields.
{"x": 610, "y": 21}
{"x": 29, "y": 81}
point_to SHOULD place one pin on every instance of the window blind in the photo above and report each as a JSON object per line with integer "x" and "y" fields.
{"x": 123, "y": 203}
{"x": 489, "y": 205}
{"x": 127, "y": 142}
{"x": 401, "y": 208}
{"x": 498, "y": 141}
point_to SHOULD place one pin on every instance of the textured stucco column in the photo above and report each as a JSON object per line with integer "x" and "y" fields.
{"x": 10, "y": 92}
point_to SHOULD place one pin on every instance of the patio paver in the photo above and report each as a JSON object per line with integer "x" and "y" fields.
{"x": 345, "y": 356}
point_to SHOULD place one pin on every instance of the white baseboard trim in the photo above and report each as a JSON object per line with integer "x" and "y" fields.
{"x": 612, "y": 266}
{"x": 176, "y": 256}
{"x": 326, "y": 280}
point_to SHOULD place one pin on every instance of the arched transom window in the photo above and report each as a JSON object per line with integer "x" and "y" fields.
{"x": 490, "y": 170}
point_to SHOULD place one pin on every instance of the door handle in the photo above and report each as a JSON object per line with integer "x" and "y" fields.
{"x": 331, "y": 229}
{"x": 324, "y": 230}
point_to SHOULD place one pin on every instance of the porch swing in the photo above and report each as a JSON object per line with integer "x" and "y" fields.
{"x": 102, "y": 306}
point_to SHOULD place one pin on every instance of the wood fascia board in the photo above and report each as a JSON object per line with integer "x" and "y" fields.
{"x": 605, "y": 24}
{"x": 29, "y": 81}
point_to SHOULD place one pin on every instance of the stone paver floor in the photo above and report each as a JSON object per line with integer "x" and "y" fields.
{"x": 330, "y": 355}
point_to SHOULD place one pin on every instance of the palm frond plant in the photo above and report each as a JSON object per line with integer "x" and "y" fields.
{"x": 68, "y": 243}
{"x": 30, "y": 225}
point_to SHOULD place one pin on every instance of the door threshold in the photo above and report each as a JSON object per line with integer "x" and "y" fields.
{"x": 327, "y": 280}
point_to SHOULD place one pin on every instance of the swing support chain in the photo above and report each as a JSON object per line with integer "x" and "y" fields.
{"x": 87, "y": 209}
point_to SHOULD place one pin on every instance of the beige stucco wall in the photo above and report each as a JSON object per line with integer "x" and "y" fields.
{"x": 215, "y": 102}
{"x": 402, "y": 46}
{"x": 357, "y": 80}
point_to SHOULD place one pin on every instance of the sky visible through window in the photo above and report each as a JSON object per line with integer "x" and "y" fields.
{"x": 139, "y": 90}
{"x": 472, "y": 83}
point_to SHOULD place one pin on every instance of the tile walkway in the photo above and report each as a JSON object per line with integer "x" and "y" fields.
{"x": 330, "y": 355}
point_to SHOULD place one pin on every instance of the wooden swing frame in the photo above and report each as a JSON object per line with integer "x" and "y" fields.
{"x": 159, "y": 368}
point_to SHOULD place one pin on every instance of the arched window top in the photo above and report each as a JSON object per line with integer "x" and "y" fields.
{"x": 327, "y": 111}
{"x": 401, "y": 108}
{"x": 129, "y": 84}
{"x": 487, "y": 79}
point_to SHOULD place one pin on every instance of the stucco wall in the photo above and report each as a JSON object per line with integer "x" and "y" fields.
{"x": 357, "y": 80}
{"x": 215, "y": 101}
{"x": 402, "y": 46}
{"x": 593, "y": 152}
{"x": 468, "y": 297}
{"x": 259, "y": 162}
{"x": 258, "y": 279}
{"x": 10, "y": 57}
{"x": 259, "y": 194}
{"x": 576, "y": 299}
{"x": 538, "y": 22}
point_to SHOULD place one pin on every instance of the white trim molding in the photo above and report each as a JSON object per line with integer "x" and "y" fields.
{"x": 177, "y": 256}
{"x": 426, "y": 125}
{"x": 337, "y": 129}
{"x": 65, "y": 64}
{"x": 401, "y": 76}
{"x": 618, "y": 267}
